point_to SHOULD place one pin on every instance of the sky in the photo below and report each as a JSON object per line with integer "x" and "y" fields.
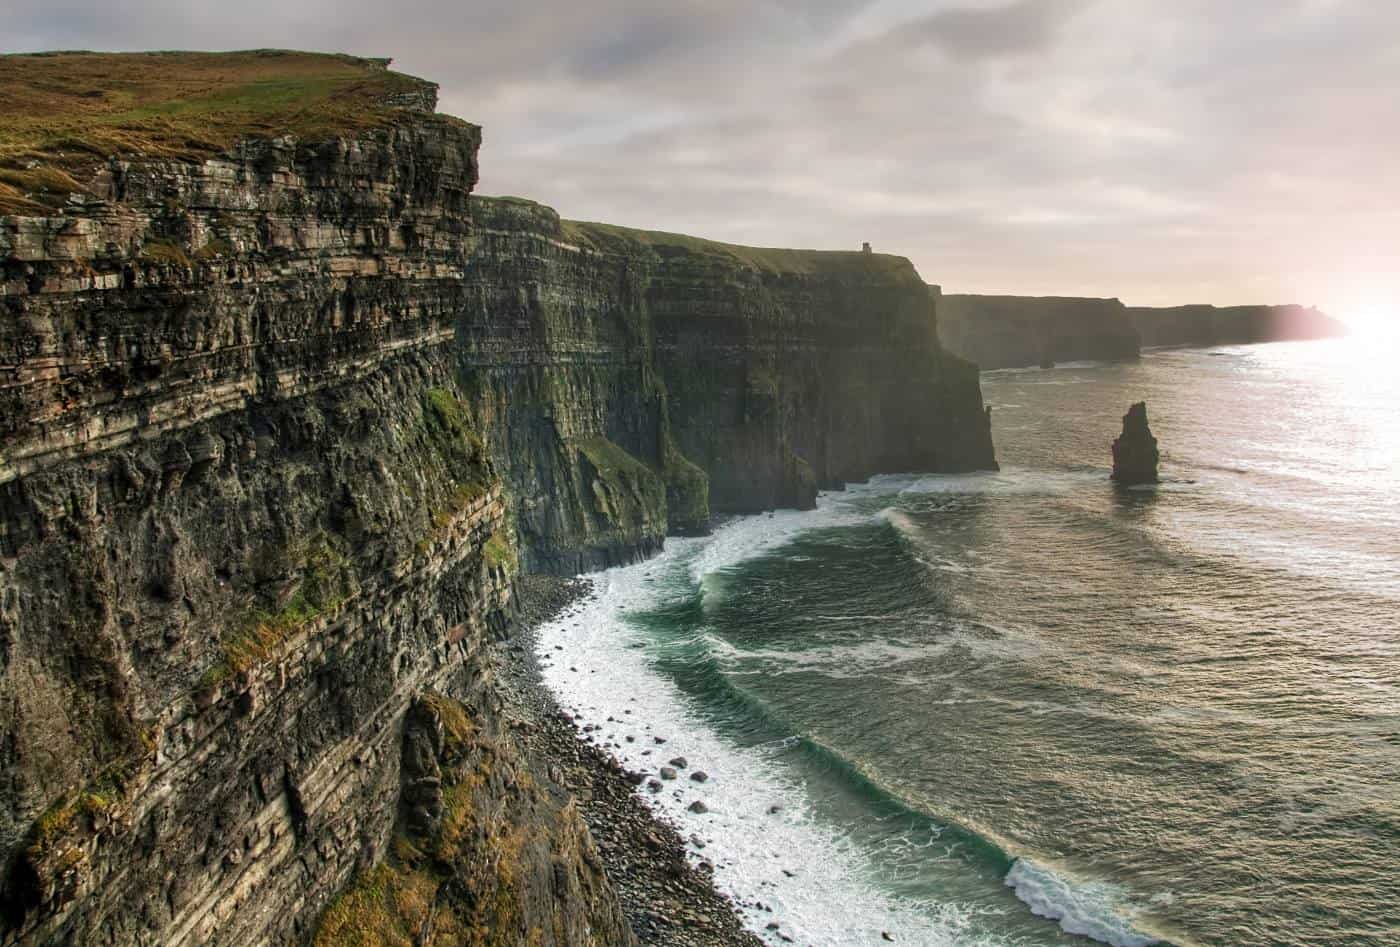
{"x": 1160, "y": 151}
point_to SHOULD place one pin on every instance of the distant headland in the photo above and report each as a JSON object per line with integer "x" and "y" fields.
{"x": 1018, "y": 331}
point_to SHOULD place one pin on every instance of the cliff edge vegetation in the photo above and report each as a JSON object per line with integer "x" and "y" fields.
{"x": 67, "y": 112}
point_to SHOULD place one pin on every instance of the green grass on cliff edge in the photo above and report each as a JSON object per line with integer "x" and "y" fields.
{"x": 64, "y": 112}
{"x": 765, "y": 259}
{"x": 610, "y": 238}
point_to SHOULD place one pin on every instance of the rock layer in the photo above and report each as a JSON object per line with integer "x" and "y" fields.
{"x": 281, "y": 426}
{"x": 245, "y": 523}
{"x": 1135, "y": 450}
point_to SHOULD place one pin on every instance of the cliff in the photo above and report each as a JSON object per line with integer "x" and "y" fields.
{"x": 1017, "y": 331}
{"x": 638, "y": 381}
{"x": 246, "y": 526}
{"x": 1232, "y": 325}
{"x": 284, "y": 414}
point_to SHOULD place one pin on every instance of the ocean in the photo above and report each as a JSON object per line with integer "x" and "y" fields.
{"x": 1029, "y": 707}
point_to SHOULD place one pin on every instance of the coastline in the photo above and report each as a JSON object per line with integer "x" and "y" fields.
{"x": 597, "y": 668}
{"x": 666, "y": 899}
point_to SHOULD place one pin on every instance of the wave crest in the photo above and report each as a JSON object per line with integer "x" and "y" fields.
{"x": 1090, "y": 909}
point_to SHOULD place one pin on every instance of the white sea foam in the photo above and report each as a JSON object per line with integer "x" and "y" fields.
{"x": 741, "y": 540}
{"x": 815, "y": 881}
{"x": 766, "y": 844}
{"x": 1007, "y": 481}
{"x": 1091, "y": 909}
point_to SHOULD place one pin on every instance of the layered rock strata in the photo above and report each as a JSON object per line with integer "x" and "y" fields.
{"x": 280, "y": 427}
{"x": 246, "y": 522}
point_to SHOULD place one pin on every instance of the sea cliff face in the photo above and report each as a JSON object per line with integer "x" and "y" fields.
{"x": 637, "y": 381}
{"x": 281, "y": 425}
{"x": 1018, "y": 331}
{"x": 1232, "y": 325}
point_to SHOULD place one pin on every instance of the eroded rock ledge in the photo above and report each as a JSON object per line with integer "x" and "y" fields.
{"x": 280, "y": 426}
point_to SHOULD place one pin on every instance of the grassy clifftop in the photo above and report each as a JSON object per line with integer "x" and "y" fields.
{"x": 610, "y": 238}
{"x": 66, "y": 111}
{"x": 766, "y": 259}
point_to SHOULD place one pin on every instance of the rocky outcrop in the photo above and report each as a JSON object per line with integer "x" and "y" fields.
{"x": 278, "y": 429}
{"x": 483, "y": 853}
{"x": 1019, "y": 331}
{"x": 1232, "y": 325}
{"x": 1135, "y": 450}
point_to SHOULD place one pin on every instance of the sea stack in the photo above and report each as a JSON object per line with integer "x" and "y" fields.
{"x": 1135, "y": 450}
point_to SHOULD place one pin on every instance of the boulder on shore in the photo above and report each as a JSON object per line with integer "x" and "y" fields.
{"x": 1135, "y": 450}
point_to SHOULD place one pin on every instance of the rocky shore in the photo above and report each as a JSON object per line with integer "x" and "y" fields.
{"x": 666, "y": 899}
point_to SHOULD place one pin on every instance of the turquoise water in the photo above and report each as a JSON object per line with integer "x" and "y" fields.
{"x": 1030, "y": 708}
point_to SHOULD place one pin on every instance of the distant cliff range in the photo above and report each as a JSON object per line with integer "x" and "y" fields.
{"x": 1017, "y": 331}
{"x": 1232, "y": 325}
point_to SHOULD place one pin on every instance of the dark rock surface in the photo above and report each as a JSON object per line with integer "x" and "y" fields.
{"x": 1023, "y": 331}
{"x": 1135, "y": 450}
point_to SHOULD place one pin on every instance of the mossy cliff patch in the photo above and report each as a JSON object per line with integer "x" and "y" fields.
{"x": 482, "y": 854}
{"x": 499, "y": 551}
{"x": 453, "y": 449}
{"x": 687, "y": 494}
{"x": 626, "y": 492}
{"x": 316, "y": 577}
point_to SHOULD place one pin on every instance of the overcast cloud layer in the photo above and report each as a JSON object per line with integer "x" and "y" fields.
{"x": 1157, "y": 150}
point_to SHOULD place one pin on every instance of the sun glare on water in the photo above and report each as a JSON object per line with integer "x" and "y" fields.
{"x": 1378, "y": 327}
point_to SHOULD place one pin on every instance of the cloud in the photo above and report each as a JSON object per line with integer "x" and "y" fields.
{"x": 1155, "y": 151}
{"x": 976, "y": 33}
